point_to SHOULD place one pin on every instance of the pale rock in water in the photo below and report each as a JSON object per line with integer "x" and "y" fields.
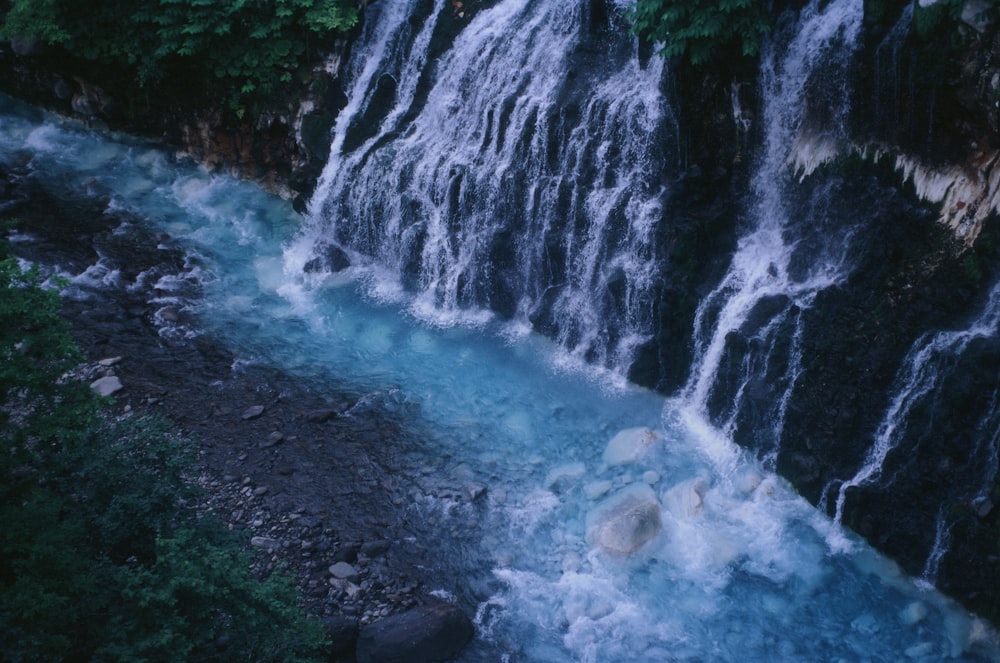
{"x": 913, "y": 614}
{"x": 596, "y": 489}
{"x": 629, "y": 445}
{"x": 625, "y": 521}
{"x": 564, "y": 474}
{"x": 686, "y": 499}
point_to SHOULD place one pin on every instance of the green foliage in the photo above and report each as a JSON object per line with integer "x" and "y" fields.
{"x": 100, "y": 556}
{"x": 188, "y": 606}
{"x": 929, "y": 20}
{"x": 700, "y": 29}
{"x": 238, "y": 49}
{"x": 35, "y": 350}
{"x": 972, "y": 268}
{"x": 942, "y": 20}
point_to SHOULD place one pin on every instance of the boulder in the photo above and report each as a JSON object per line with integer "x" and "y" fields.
{"x": 625, "y": 521}
{"x": 564, "y": 476}
{"x": 427, "y": 633}
{"x": 474, "y": 491}
{"x": 107, "y": 386}
{"x": 252, "y": 412}
{"x": 82, "y": 105}
{"x": 265, "y": 542}
{"x": 343, "y": 634}
{"x": 344, "y": 571}
{"x": 685, "y": 500}
{"x": 597, "y": 489}
{"x": 25, "y": 46}
{"x": 629, "y": 445}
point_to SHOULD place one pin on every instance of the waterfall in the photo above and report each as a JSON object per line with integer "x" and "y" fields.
{"x": 521, "y": 178}
{"x": 761, "y": 298}
{"x": 925, "y": 367}
{"x": 942, "y": 539}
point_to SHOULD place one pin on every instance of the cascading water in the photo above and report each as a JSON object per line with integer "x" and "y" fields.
{"x": 522, "y": 180}
{"x": 730, "y": 564}
{"x": 761, "y": 297}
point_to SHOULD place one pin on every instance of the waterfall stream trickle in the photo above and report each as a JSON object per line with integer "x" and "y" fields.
{"x": 763, "y": 294}
{"x": 924, "y": 368}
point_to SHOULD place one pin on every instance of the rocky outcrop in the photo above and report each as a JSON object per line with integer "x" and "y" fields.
{"x": 283, "y": 145}
{"x": 425, "y": 634}
{"x": 915, "y": 177}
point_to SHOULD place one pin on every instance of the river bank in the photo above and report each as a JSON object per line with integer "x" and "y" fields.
{"x": 311, "y": 473}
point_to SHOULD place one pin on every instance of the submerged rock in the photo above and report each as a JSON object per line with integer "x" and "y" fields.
{"x": 685, "y": 500}
{"x": 625, "y": 521}
{"x": 563, "y": 476}
{"x": 629, "y": 445}
{"x": 434, "y": 632}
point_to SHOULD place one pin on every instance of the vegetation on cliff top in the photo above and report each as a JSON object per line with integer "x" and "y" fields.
{"x": 236, "y": 50}
{"x": 700, "y": 30}
{"x": 101, "y": 555}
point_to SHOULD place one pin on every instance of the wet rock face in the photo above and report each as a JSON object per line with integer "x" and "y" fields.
{"x": 930, "y": 93}
{"x": 283, "y": 148}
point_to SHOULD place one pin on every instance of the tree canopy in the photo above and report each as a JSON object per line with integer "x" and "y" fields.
{"x": 241, "y": 48}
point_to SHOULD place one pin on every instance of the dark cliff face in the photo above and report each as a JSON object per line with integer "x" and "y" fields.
{"x": 283, "y": 145}
{"x": 929, "y": 82}
{"x": 933, "y": 97}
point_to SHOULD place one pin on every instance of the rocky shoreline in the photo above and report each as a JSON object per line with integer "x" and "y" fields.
{"x": 314, "y": 477}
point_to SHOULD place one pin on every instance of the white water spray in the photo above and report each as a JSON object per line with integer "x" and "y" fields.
{"x": 522, "y": 180}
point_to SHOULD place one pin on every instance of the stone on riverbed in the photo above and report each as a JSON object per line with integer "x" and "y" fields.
{"x": 107, "y": 386}
{"x": 433, "y": 632}
{"x": 629, "y": 445}
{"x": 564, "y": 476}
{"x": 344, "y": 571}
{"x": 252, "y": 412}
{"x": 625, "y": 521}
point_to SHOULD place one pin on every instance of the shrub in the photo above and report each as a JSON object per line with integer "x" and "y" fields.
{"x": 699, "y": 29}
